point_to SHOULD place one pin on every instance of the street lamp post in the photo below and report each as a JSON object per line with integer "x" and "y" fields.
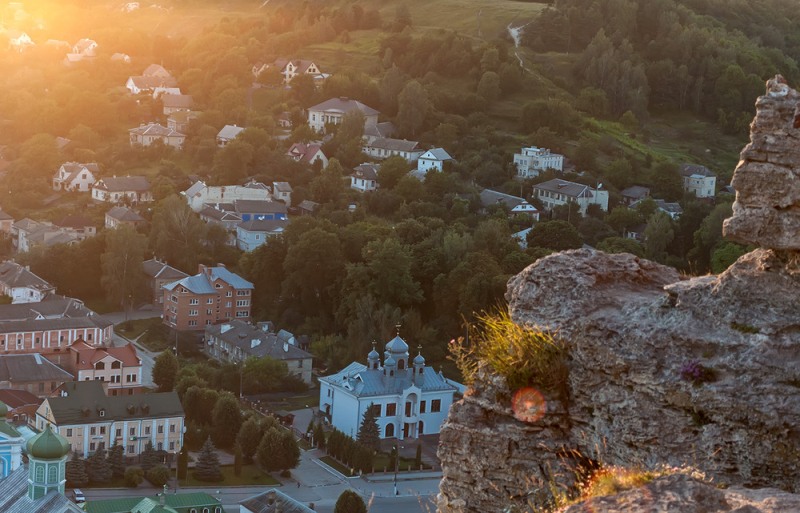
{"x": 396, "y": 463}
{"x": 177, "y": 482}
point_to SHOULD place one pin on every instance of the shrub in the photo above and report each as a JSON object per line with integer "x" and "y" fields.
{"x": 134, "y": 476}
{"x": 697, "y": 373}
{"x": 158, "y": 475}
{"x": 286, "y": 473}
{"x": 524, "y": 356}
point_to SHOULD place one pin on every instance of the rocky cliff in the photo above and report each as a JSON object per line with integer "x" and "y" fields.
{"x": 662, "y": 370}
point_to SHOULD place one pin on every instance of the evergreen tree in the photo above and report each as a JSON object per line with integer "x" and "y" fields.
{"x": 369, "y": 434}
{"x": 149, "y": 457}
{"x": 319, "y": 436}
{"x": 418, "y": 456}
{"x": 76, "y": 472}
{"x": 183, "y": 463}
{"x": 98, "y": 467}
{"x": 350, "y": 502}
{"x": 116, "y": 460}
{"x": 207, "y": 466}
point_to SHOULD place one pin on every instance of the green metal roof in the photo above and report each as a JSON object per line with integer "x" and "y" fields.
{"x": 180, "y": 503}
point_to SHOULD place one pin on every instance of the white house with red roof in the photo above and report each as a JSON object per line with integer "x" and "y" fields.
{"x": 119, "y": 368}
{"x": 307, "y": 153}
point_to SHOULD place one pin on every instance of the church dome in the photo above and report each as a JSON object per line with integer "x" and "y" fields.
{"x": 48, "y": 445}
{"x": 397, "y": 345}
{"x": 389, "y": 362}
{"x": 373, "y": 355}
{"x": 419, "y": 359}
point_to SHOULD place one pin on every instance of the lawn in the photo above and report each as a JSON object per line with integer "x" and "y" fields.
{"x": 295, "y": 403}
{"x": 133, "y": 328}
{"x": 380, "y": 463}
{"x": 251, "y": 476}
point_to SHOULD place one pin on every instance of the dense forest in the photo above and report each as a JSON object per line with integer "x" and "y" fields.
{"x": 627, "y": 90}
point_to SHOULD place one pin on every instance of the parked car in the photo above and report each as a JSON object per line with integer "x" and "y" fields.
{"x": 77, "y": 496}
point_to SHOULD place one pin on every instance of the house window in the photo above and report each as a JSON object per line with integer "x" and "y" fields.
{"x": 160, "y": 446}
{"x": 210, "y": 301}
{"x": 209, "y": 311}
{"x": 160, "y": 429}
{"x": 229, "y": 293}
{"x": 131, "y": 449}
{"x": 172, "y": 446}
{"x": 389, "y": 430}
{"x": 102, "y": 428}
{"x": 91, "y": 446}
{"x": 147, "y": 430}
{"x": 100, "y": 366}
{"x": 41, "y": 387}
{"x": 243, "y": 302}
{"x": 194, "y": 301}
{"x": 436, "y": 405}
{"x": 243, "y": 314}
{"x": 192, "y": 323}
{"x": 69, "y": 431}
{"x": 172, "y": 428}
{"x": 119, "y": 432}
{"x": 422, "y": 406}
{"x": 173, "y": 298}
{"x": 93, "y": 431}
{"x": 116, "y": 365}
{"x": 391, "y": 409}
{"x": 89, "y": 336}
{"x": 192, "y": 313}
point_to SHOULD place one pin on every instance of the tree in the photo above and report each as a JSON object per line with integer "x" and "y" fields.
{"x": 413, "y": 108}
{"x": 489, "y": 86}
{"x": 622, "y": 219}
{"x": 237, "y": 460}
{"x": 207, "y": 466}
{"x": 556, "y": 235}
{"x": 165, "y": 371}
{"x": 418, "y": 456}
{"x": 249, "y": 437}
{"x": 149, "y": 457}
{"x": 329, "y": 187}
{"x": 134, "y": 476}
{"x": 725, "y": 254}
{"x": 183, "y": 463}
{"x": 621, "y": 245}
{"x": 176, "y": 233}
{"x": 369, "y": 434}
{"x": 116, "y": 459}
{"x": 391, "y": 171}
{"x": 227, "y": 417}
{"x": 350, "y": 502}
{"x": 319, "y": 436}
{"x": 657, "y": 236}
{"x": 278, "y": 450}
{"x": 76, "y": 471}
{"x": 121, "y": 266}
{"x": 98, "y": 467}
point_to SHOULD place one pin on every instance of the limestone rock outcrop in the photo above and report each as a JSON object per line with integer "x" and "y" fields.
{"x": 633, "y": 328}
{"x": 684, "y": 494}
{"x": 766, "y": 212}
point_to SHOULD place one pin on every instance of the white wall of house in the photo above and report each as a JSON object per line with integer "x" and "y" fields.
{"x": 701, "y": 186}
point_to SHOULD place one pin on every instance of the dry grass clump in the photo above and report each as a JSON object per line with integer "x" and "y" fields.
{"x": 524, "y": 356}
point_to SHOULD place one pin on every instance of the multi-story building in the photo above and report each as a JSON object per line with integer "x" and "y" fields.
{"x": 199, "y": 194}
{"x": 212, "y": 296}
{"x": 699, "y": 180}
{"x": 235, "y": 341}
{"x": 120, "y": 368}
{"x": 411, "y": 399}
{"x": 532, "y": 161}
{"x": 50, "y": 327}
{"x": 84, "y": 415}
{"x": 553, "y": 193}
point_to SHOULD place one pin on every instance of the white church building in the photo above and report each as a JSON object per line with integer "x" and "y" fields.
{"x": 412, "y": 399}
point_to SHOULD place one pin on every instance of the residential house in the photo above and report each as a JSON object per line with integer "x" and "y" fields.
{"x": 118, "y": 368}
{"x": 522, "y": 237}
{"x": 379, "y": 130}
{"x": 553, "y": 193}
{"x": 282, "y": 191}
{"x": 259, "y": 210}
{"x": 85, "y": 47}
{"x": 635, "y": 194}
{"x": 119, "y": 189}
{"x": 19, "y": 41}
{"x": 308, "y": 154}
{"x": 291, "y": 68}
{"x": 31, "y": 373}
{"x": 236, "y": 341}
{"x": 212, "y": 296}
{"x": 39, "y": 486}
{"x": 433, "y": 159}
{"x": 272, "y": 501}
{"x": 333, "y": 111}
{"x": 117, "y": 216}
{"x": 82, "y": 226}
{"x": 147, "y": 134}
{"x": 532, "y": 161}
{"x": 227, "y": 219}
{"x": 21, "y": 285}
{"x": 227, "y": 134}
{"x": 74, "y": 176}
{"x": 28, "y": 233}
{"x": 411, "y": 399}
{"x": 6, "y": 223}
{"x": 673, "y": 210}
{"x": 179, "y": 120}
{"x": 176, "y": 103}
{"x": 121, "y": 57}
{"x": 158, "y": 274}
{"x": 199, "y": 195}
{"x": 698, "y": 180}
{"x": 383, "y": 148}
{"x": 254, "y": 233}
{"x": 364, "y": 177}
{"x": 50, "y": 327}
{"x": 153, "y": 78}
{"x": 194, "y": 502}
{"x": 514, "y": 204}
{"x": 88, "y": 418}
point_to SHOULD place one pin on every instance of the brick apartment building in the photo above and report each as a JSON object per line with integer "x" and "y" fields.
{"x": 211, "y": 296}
